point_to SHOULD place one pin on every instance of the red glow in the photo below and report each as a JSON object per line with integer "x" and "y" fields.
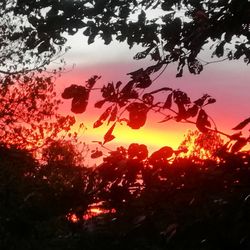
{"x": 96, "y": 210}
{"x": 73, "y": 218}
{"x": 93, "y": 211}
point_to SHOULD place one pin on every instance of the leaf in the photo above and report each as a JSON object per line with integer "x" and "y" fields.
{"x": 211, "y": 100}
{"x": 161, "y": 155}
{"x": 118, "y": 84}
{"x": 104, "y": 116}
{"x": 137, "y": 115}
{"x": 167, "y": 5}
{"x": 109, "y": 93}
{"x": 91, "y": 81}
{"x": 242, "y": 124}
{"x": 240, "y": 51}
{"x": 126, "y": 91}
{"x": 168, "y": 102}
{"x": 143, "y": 81}
{"x": 73, "y": 91}
{"x": 200, "y": 101}
{"x": 138, "y": 151}
{"x": 96, "y": 154}
{"x": 141, "y": 77}
{"x": 142, "y": 17}
{"x": 236, "y": 136}
{"x": 79, "y": 104}
{"x": 99, "y": 104}
{"x": 44, "y": 46}
{"x": 143, "y": 54}
{"x": 181, "y": 97}
{"x": 219, "y": 51}
{"x": 148, "y": 99}
{"x": 113, "y": 115}
{"x": 155, "y": 55}
{"x": 109, "y": 136}
{"x": 87, "y": 31}
{"x": 202, "y": 121}
{"x": 91, "y": 38}
{"x": 200, "y": 15}
{"x": 192, "y": 112}
{"x": 107, "y": 35}
{"x": 240, "y": 143}
{"x": 182, "y": 114}
{"x": 97, "y": 124}
{"x": 195, "y": 67}
{"x": 134, "y": 74}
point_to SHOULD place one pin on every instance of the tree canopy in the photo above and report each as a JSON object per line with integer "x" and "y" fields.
{"x": 170, "y": 30}
{"x": 24, "y": 50}
{"x": 159, "y": 200}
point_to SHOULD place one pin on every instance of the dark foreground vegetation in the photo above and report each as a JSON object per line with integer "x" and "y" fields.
{"x": 159, "y": 201}
{"x": 147, "y": 201}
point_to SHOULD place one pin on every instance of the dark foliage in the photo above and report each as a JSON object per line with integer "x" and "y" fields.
{"x": 160, "y": 200}
{"x": 23, "y": 47}
{"x": 223, "y": 23}
{"x": 36, "y": 198}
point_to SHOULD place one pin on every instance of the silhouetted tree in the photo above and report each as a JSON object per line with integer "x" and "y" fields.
{"x": 29, "y": 108}
{"x": 175, "y": 203}
{"x": 180, "y": 28}
{"x": 22, "y": 48}
{"x": 36, "y": 198}
{"x": 161, "y": 201}
{"x": 29, "y": 115}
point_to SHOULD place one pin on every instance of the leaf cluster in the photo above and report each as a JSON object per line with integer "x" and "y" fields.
{"x": 168, "y": 37}
{"x": 160, "y": 200}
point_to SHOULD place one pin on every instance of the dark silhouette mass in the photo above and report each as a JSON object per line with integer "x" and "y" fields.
{"x": 191, "y": 198}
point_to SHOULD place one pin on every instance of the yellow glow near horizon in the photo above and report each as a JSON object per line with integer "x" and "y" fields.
{"x": 153, "y": 138}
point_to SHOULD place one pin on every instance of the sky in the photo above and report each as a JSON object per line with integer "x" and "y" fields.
{"x": 227, "y": 82}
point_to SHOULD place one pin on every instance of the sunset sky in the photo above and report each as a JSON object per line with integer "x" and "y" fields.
{"x": 227, "y": 82}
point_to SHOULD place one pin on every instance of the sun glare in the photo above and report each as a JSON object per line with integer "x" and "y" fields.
{"x": 97, "y": 210}
{"x": 153, "y": 138}
{"x": 201, "y": 146}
